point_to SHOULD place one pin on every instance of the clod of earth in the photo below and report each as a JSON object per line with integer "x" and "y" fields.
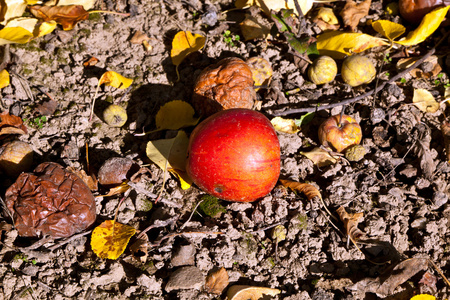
{"x": 340, "y": 132}
{"x": 50, "y": 201}
{"x": 226, "y": 84}
{"x": 234, "y": 155}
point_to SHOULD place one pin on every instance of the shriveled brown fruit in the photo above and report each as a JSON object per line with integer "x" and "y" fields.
{"x": 115, "y": 170}
{"x": 50, "y": 201}
{"x": 15, "y": 157}
{"x": 224, "y": 85}
{"x": 414, "y": 10}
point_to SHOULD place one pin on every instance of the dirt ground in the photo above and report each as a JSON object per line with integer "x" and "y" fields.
{"x": 401, "y": 185}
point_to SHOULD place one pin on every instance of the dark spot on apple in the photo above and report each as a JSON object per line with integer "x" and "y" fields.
{"x": 218, "y": 189}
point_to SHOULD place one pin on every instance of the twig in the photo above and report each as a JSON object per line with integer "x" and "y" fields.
{"x": 158, "y": 242}
{"x": 152, "y": 195}
{"x": 192, "y": 214}
{"x": 5, "y": 208}
{"x": 301, "y": 16}
{"x": 268, "y": 227}
{"x": 6, "y": 57}
{"x": 68, "y": 240}
{"x": 157, "y": 225}
{"x": 360, "y": 97}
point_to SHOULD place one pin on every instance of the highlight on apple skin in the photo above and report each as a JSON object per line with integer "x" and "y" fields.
{"x": 234, "y": 155}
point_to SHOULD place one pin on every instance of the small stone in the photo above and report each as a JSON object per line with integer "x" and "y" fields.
{"x": 419, "y": 223}
{"x": 377, "y": 115}
{"x": 185, "y": 278}
{"x": 184, "y": 256}
{"x": 149, "y": 283}
{"x": 439, "y": 199}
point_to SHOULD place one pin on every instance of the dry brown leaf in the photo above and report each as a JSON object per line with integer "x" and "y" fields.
{"x": 217, "y": 281}
{"x": 434, "y": 69}
{"x": 386, "y": 284}
{"x": 307, "y": 189}
{"x": 139, "y": 248}
{"x": 139, "y": 37}
{"x": 92, "y": 61}
{"x": 90, "y": 180}
{"x": 68, "y": 16}
{"x": 353, "y": 12}
{"x": 245, "y": 292}
{"x": 47, "y": 108}
{"x": 320, "y": 157}
{"x": 351, "y": 223}
{"x": 445, "y": 128}
{"x": 425, "y": 101}
{"x": 252, "y": 29}
{"x": 10, "y": 124}
{"x": 118, "y": 190}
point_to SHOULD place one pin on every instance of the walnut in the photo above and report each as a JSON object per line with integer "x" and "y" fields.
{"x": 51, "y": 201}
{"x": 226, "y": 84}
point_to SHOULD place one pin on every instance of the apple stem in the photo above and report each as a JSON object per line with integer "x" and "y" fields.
{"x": 340, "y": 116}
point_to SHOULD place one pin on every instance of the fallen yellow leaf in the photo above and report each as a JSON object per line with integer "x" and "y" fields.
{"x": 327, "y": 15}
{"x": 423, "y": 297}
{"x": 114, "y": 79}
{"x": 175, "y": 115}
{"x": 87, "y": 4}
{"x": 110, "y": 239}
{"x": 4, "y": 79}
{"x": 32, "y": 25}
{"x": 425, "y": 101}
{"x": 429, "y": 24}
{"x": 252, "y": 29}
{"x": 388, "y": 29}
{"x": 15, "y": 35}
{"x": 170, "y": 154}
{"x": 268, "y": 5}
{"x": 183, "y": 44}
{"x": 338, "y": 44}
{"x": 284, "y": 125}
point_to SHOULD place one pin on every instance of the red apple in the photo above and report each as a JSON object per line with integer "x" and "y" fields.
{"x": 340, "y": 134}
{"x": 234, "y": 155}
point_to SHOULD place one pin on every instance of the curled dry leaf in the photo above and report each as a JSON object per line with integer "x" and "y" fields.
{"x": 92, "y": 61}
{"x": 284, "y": 125}
{"x": 425, "y": 101}
{"x": 321, "y": 157}
{"x": 246, "y": 292}
{"x": 388, "y": 29}
{"x": 445, "y": 128}
{"x": 183, "y": 44}
{"x": 10, "y": 9}
{"x": 307, "y": 189}
{"x": 68, "y": 16}
{"x": 217, "y": 281}
{"x": 326, "y": 19}
{"x": 120, "y": 189}
{"x": 110, "y": 239}
{"x": 114, "y": 79}
{"x": 351, "y": 222}
{"x": 90, "y": 180}
{"x": 139, "y": 248}
{"x": 139, "y": 37}
{"x": 353, "y": 12}
{"x": 87, "y": 4}
{"x": 10, "y": 124}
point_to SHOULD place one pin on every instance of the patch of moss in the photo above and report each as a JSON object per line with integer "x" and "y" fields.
{"x": 95, "y": 17}
{"x": 106, "y": 26}
{"x": 26, "y": 71}
{"x": 85, "y": 31}
{"x": 210, "y": 206}
{"x": 303, "y": 222}
{"x": 45, "y": 61}
{"x": 109, "y": 99}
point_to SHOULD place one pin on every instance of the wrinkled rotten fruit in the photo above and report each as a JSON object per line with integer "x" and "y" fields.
{"x": 322, "y": 70}
{"x": 339, "y": 133}
{"x": 414, "y": 10}
{"x": 50, "y": 201}
{"x": 234, "y": 155}
{"x": 357, "y": 70}
{"x": 224, "y": 85}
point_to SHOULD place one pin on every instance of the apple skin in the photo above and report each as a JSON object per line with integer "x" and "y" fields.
{"x": 234, "y": 155}
{"x": 340, "y": 137}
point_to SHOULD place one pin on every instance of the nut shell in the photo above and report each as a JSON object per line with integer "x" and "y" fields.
{"x": 16, "y": 157}
{"x": 323, "y": 70}
{"x": 50, "y": 201}
{"x": 224, "y": 85}
{"x": 357, "y": 70}
{"x": 340, "y": 137}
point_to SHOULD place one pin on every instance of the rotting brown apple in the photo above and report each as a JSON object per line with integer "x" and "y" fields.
{"x": 414, "y": 10}
{"x": 234, "y": 155}
{"x": 340, "y": 132}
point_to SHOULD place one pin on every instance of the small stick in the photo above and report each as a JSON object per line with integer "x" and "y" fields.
{"x": 68, "y": 240}
{"x": 160, "y": 224}
{"x": 192, "y": 214}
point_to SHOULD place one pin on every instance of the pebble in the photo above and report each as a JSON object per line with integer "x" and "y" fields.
{"x": 184, "y": 256}
{"x": 149, "y": 283}
{"x": 185, "y": 278}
